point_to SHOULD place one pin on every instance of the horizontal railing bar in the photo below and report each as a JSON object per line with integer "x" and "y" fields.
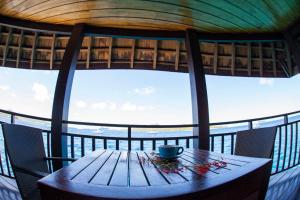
{"x": 147, "y": 126}
{"x": 125, "y": 138}
{"x": 25, "y": 115}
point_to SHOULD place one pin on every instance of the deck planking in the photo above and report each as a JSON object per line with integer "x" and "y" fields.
{"x": 282, "y": 186}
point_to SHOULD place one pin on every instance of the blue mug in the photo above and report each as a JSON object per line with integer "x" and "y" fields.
{"x": 170, "y": 151}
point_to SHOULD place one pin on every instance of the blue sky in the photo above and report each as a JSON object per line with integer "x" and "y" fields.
{"x": 146, "y": 97}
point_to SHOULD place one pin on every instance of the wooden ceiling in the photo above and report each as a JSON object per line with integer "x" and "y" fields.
{"x": 27, "y": 49}
{"x": 242, "y": 16}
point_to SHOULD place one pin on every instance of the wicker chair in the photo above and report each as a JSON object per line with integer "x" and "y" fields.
{"x": 256, "y": 142}
{"x": 25, "y": 148}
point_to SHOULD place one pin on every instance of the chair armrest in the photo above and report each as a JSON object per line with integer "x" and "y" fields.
{"x": 37, "y": 174}
{"x": 60, "y": 159}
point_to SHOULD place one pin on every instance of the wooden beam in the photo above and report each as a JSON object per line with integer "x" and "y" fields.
{"x": 110, "y": 40}
{"x": 132, "y": 54}
{"x": 294, "y": 48}
{"x": 137, "y": 33}
{"x": 274, "y": 60}
{"x": 233, "y": 59}
{"x": 35, "y": 26}
{"x": 261, "y": 71}
{"x": 20, "y": 49}
{"x": 215, "y": 66}
{"x": 238, "y": 37}
{"x": 60, "y": 109}
{"x": 177, "y": 55}
{"x": 52, "y": 51}
{"x": 89, "y": 51}
{"x": 5, "y": 51}
{"x": 155, "y": 54}
{"x": 284, "y": 68}
{"x": 33, "y": 50}
{"x": 249, "y": 56}
{"x": 288, "y": 58}
{"x": 198, "y": 90}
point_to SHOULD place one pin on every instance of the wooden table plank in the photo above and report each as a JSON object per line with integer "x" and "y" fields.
{"x": 103, "y": 176}
{"x": 208, "y": 158}
{"x": 155, "y": 177}
{"x": 136, "y": 173}
{"x": 172, "y": 177}
{"x": 120, "y": 175}
{"x": 69, "y": 172}
{"x": 86, "y": 175}
{"x": 124, "y": 175}
{"x": 231, "y": 159}
{"x": 189, "y": 163}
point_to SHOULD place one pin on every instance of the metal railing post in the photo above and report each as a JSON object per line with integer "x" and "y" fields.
{"x": 250, "y": 125}
{"x": 129, "y": 138}
{"x": 285, "y": 119}
{"x": 12, "y": 118}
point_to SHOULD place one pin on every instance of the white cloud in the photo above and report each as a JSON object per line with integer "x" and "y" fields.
{"x": 266, "y": 81}
{"x": 4, "y": 87}
{"x": 41, "y": 92}
{"x": 81, "y": 104}
{"x": 104, "y": 105}
{"x": 132, "y": 107}
{"x": 144, "y": 91}
{"x": 112, "y": 106}
{"x": 99, "y": 105}
{"x": 128, "y": 107}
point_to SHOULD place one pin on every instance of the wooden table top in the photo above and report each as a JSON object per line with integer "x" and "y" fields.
{"x": 133, "y": 175}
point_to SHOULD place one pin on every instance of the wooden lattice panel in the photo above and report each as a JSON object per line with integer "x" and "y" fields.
{"x": 39, "y": 50}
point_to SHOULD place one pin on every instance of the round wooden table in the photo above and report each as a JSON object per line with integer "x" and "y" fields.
{"x": 108, "y": 174}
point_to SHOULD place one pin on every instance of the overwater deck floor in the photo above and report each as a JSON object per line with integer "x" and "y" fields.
{"x": 283, "y": 186}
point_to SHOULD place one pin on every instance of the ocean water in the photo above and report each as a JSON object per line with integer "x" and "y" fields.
{"x": 162, "y": 133}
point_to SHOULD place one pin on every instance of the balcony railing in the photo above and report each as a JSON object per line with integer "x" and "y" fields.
{"x": 81, "y": 141}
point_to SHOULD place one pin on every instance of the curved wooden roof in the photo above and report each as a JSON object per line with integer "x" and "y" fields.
{"x": 39, "y": 50}
{"x": 238, "y": 38}
{"x": 210, "y": 16}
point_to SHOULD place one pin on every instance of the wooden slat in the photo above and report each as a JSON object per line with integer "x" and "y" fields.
{"x": 215, "y": 65}
{"x": 104, "y": 175}
{"x": 249, "y": 56}
{"x": 132, "y": 54}
{"x": 109, "y": 52}
{"x": 171, "y": 177}
{"x": 260, "y": 60}
{"x": 155, "y": 177}
{"x": 274, "y": 60}
{"x": 32, "y": 60}
{"x": 155, "y": 54}
{"x": 288, "y": 58}
{"x": 90, "y": 170}
{"x": 19, "y": 48}
{"x": 88, "y": 57}
{"x": 77, "y": 167}
{"x": 136, "y": 173}
{"x": 177, "y": 55}
{"x": 5, "y": 51}
{"x": 52, "y": 51}
{"x": 233, "y": 59}
{"x": 120, "y": 175}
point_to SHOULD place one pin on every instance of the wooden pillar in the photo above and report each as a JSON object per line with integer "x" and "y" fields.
{"x": 294, "y": 47}
{"x": 198, "y": 90}
{"x": 62, "y": 94}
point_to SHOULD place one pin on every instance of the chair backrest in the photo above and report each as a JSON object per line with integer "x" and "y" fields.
{"x": 256, "y": 142}
{"x": 25, "y": 148}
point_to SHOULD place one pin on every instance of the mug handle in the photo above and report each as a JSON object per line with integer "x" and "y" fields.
{"x": 180, "y": 150}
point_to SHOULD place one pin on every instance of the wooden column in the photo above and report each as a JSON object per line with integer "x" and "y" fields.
{"x": 294, "y": 48}
{"x": 198, "y": 90}
{"x": 62, "y": 94}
